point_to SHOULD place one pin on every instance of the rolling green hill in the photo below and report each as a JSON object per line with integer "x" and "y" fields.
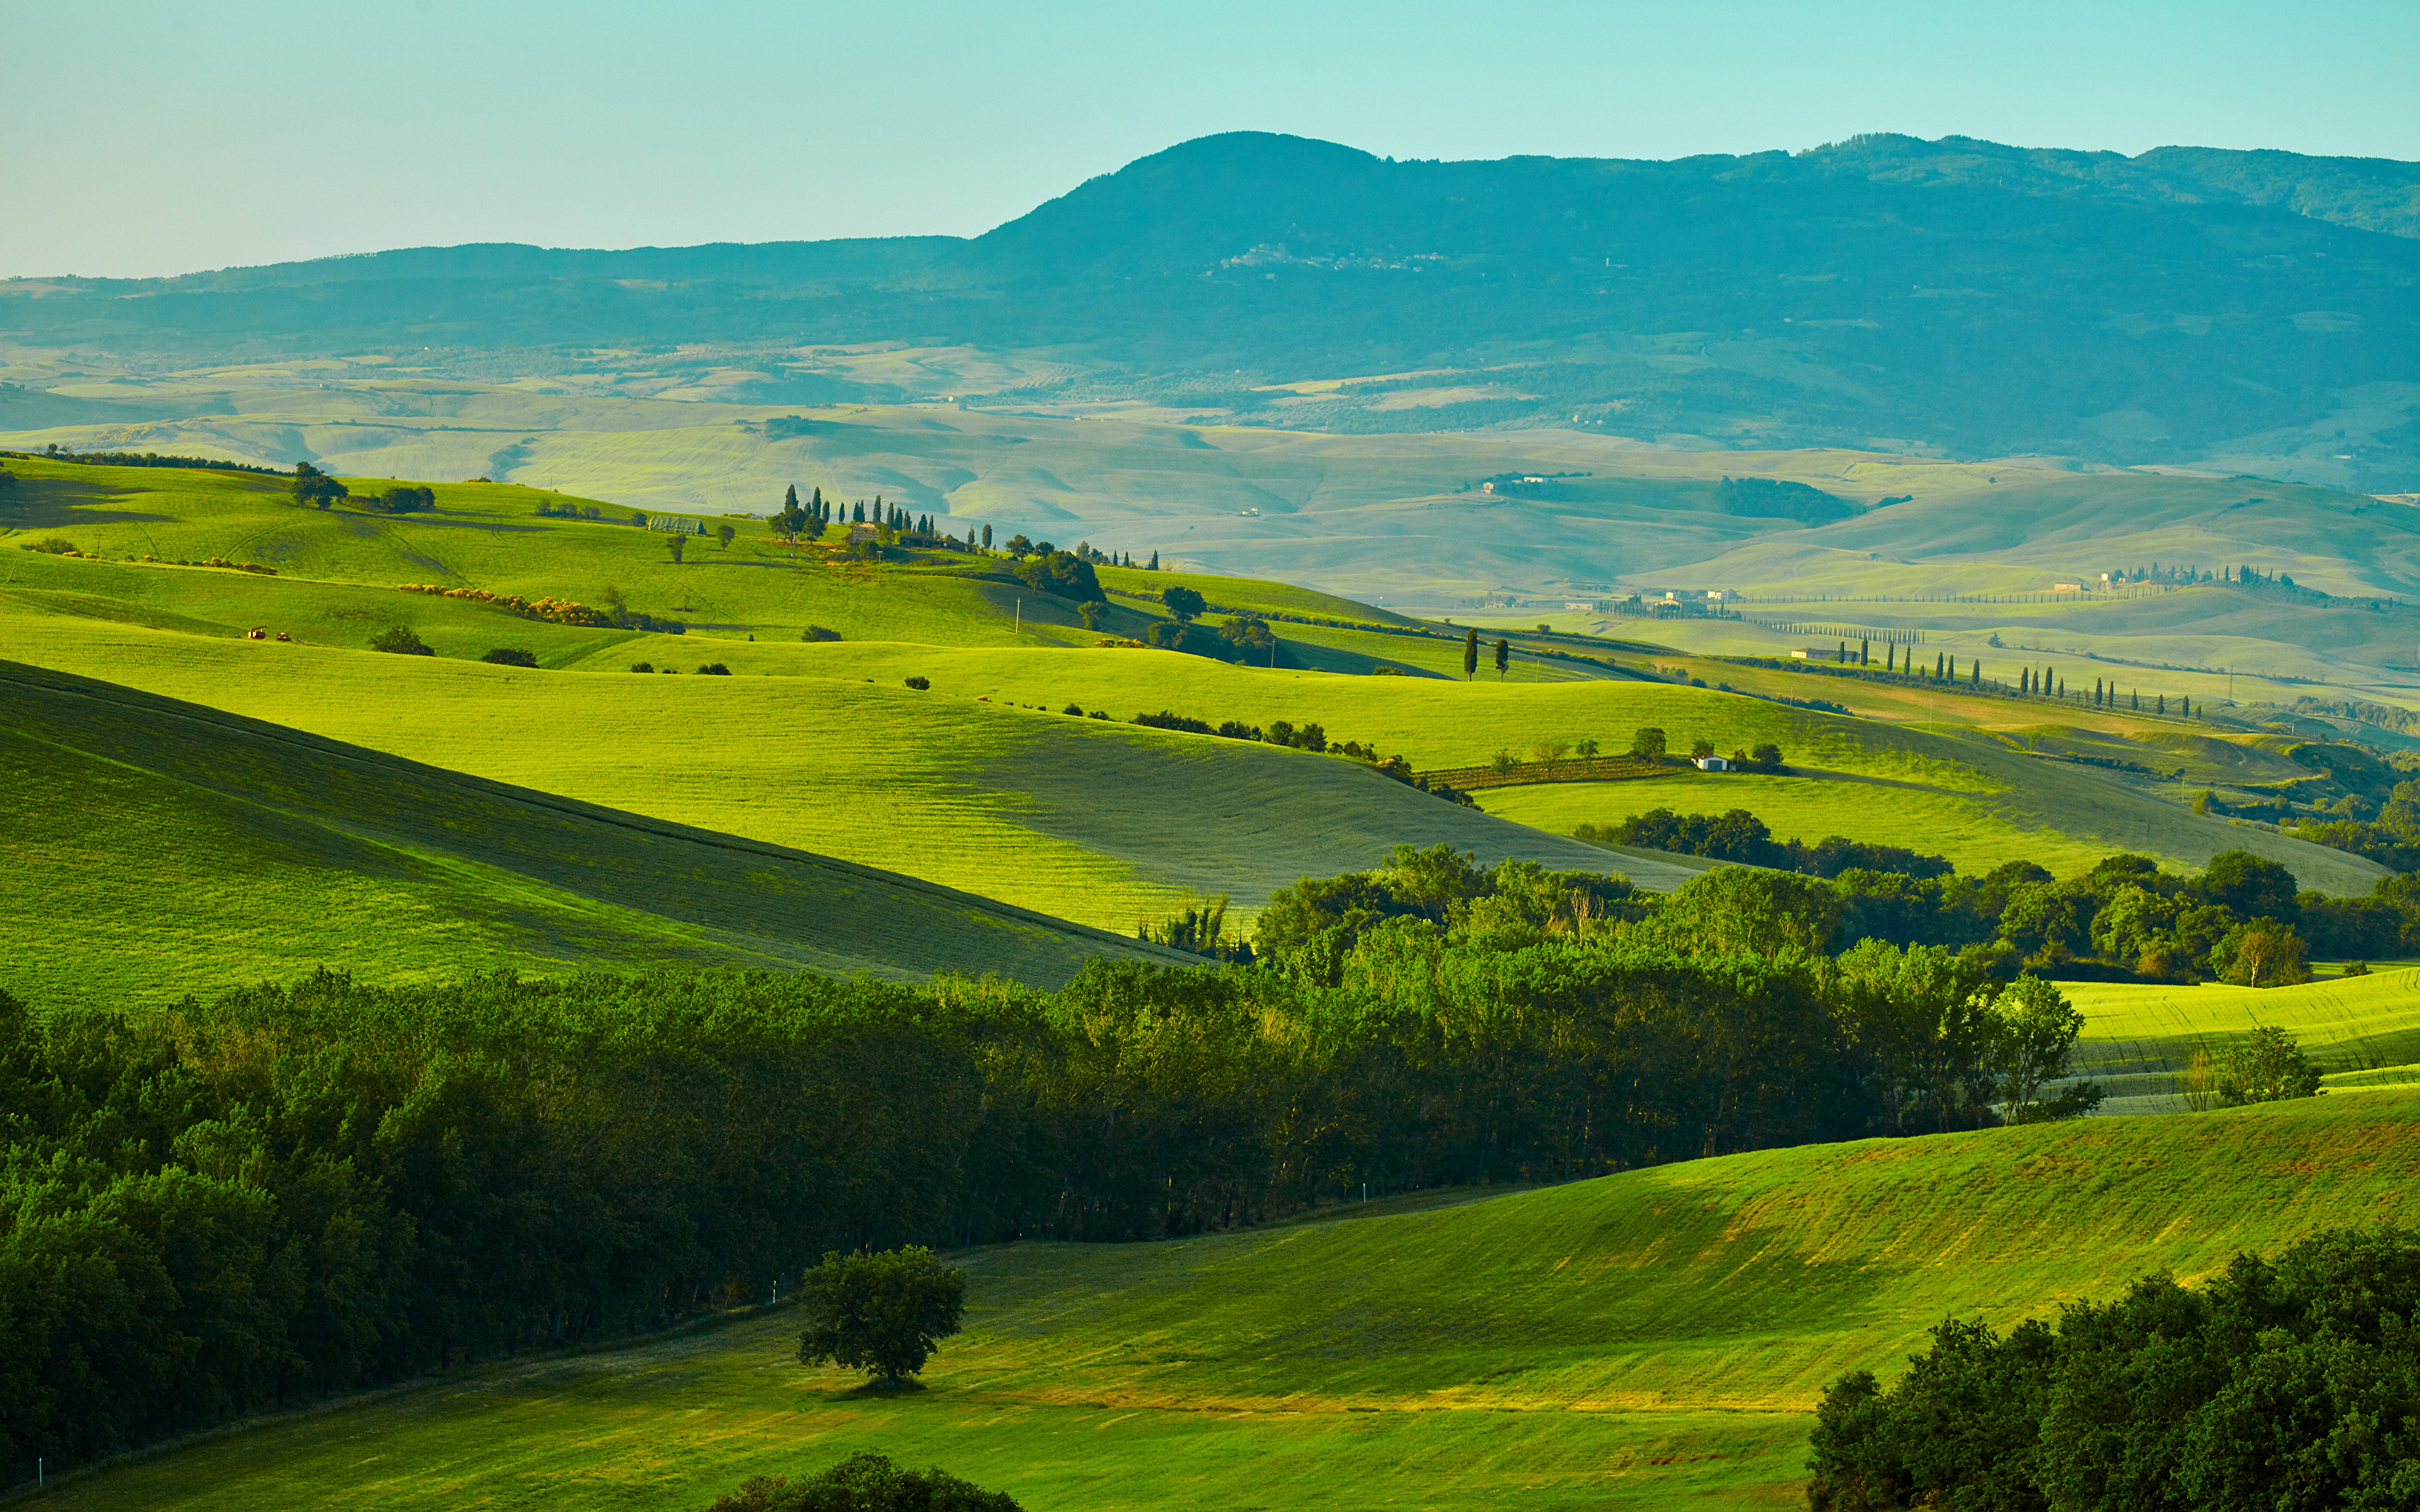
{"x": 1093, "y": 821}
{"x": 1649, "y": 1339}
{"x": 160, "y": 847}
{"x": 1084, "y": 846}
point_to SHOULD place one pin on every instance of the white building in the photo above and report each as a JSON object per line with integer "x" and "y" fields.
{"x": 1714, "y": 764}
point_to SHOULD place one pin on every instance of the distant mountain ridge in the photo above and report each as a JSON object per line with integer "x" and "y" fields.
{"x": 1955, "y": 295}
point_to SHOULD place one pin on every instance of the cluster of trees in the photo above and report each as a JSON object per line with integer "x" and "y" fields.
{"x": 1651, "y": 743}
{"x": 2284, "y": 1383}
{"x": 2243, "y": 920}
{"x": 1062, "y": 574}
{"x": 795, "y": 518}
{"x": 549, "y": 510}
{"x": 1242, "y": 639}
{"x": 2388, "y": 833}
{"x": 1737, "y": 835}
{"x": 1779, "y": 499}
{"x": 315, "y": 487}
{"x": 1110, "y": 559}
{"x": 1310, "y": 737}
{"x": 1200, "y": 929}
{"x": 407, "y": 499}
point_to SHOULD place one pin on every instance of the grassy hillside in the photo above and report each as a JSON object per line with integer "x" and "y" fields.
{"x": 986, "y": 638}
{"x": 158, "y": 847}
{"x": 2364, "y": 1031}
{"x": 1095, "y": 821}
{"x": 1644, "y": 1340}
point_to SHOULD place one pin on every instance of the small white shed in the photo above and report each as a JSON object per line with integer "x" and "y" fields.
{"x": 1714, "y": 764}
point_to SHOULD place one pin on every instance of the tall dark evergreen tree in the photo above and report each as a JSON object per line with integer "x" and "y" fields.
{"x": 1469, "y": 654}
{"x": 1503, "y": 657}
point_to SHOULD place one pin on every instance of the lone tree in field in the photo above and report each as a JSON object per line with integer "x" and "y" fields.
{"x": 881, "y": 1314}
{"x": 1503, "y": 657}
{"x": 724, "y": 535}
{"x": 1648, "y": 744}
{"x": 1469, "y": 655}
{"x": 1183, "y": 602}
{"x": 678, "y": 544}
{"x": 2267, "y": 1066}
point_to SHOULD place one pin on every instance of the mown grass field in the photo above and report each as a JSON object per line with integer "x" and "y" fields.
{"x": 156, "y": 848}
{"x": 2363, "y": 1031}
{"x": 1649, "y": 1339}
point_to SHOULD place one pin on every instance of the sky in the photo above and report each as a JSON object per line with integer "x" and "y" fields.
{"x": 140, "y": 138}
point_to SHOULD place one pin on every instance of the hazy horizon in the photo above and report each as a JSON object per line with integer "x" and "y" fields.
{"x": 269, "y": 131}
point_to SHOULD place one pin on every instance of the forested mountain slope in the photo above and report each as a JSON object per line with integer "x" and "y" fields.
{"x": 1957, "y": 294}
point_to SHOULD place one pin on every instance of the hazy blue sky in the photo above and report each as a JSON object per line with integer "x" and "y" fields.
{"x": 139, "y": 138}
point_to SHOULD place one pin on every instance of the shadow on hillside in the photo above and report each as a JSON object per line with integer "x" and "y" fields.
{"x": 54, "y": 504}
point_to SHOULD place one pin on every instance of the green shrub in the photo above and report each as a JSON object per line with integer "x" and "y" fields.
{"x": 919, "y": 684}
{"x": 816, "y": 632}
{"x": 402, "y": 641}
{"x": 510, "y": 656}
{"x": 714, "y": 668}
{"x": 864, "y": 1483}
{"x": 642, "y": 666}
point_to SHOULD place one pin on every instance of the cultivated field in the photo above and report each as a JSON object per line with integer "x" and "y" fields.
{"x": 2363, "y": 1031}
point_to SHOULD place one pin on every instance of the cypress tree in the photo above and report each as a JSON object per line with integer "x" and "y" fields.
{"x": 790, "y": 500}
{"x": 1840, "y": 652}
{"x": 1154, "y": 556}
{"x": 2135, "y": 701}
{"x": 1974, "y": 677}
{"x": 1503, "y": 657}
{"x": 1936, "y": 666}
{"x": 1469, "y": 654}
{"x": 1865, "y": 653}
{"x": 2164, "y": 703}
{"x": 1890, "y": 653}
